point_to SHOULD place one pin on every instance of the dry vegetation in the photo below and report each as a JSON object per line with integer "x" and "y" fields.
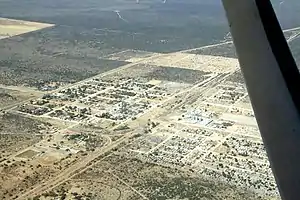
{"x": 18, "y": 132}
{"x": 17, "y": 124}
{"x": 10, "y": 97}
{"x": 118, "y": 177}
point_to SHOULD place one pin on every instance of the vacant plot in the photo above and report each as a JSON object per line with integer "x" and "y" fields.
{"x": 58, "y": 54}
{"x": 229, "y": 50}
{"x": 12, "y": 143}
{"x": 27, "y": 154}
{"x": 11, "y": 27}
{"x": 18, "y": 132}
{"x": 207, "y": 63}
{"x": 237, "y": 76}
{"x": 131, "y": 55}
{"x": 10, "y": 97}
{"x": 148, "y": 72}
{"x": 105, "y": 187}
{"x": 176, "y": 75}
{"x": 159, "y": 182}
{"x": 17, "y": 124}
{"x": 225, "y": 50}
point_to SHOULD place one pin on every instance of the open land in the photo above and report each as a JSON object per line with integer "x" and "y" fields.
{"x": 228, "y": 49}
{"x": 10, "y": 27}
{"x": 142, "y": 131}
{"x": 147, "y": 104}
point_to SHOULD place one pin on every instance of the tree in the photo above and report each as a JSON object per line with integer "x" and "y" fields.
{"x": 63, "y": 196}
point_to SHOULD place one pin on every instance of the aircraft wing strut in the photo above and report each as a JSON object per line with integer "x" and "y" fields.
{"x": 273, "y": 83}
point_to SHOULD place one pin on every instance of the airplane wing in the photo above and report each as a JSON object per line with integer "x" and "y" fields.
{"x": 273, "y": 83}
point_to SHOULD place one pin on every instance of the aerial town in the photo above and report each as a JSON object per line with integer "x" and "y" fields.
{"x": 118, "y": 123}
{"x": 195, "y": 117}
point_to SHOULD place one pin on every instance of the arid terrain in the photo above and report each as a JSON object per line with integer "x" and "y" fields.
{"x": 11, "y": 27}
{"x": 123, "y": 100}
{"x": 163, "y": 126}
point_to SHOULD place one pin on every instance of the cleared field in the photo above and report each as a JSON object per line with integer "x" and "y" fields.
{"x": 11, "y": 27}
{"x": 168, "y": 183}
{"x": 206, "y": 63}
{"x": 18, "y": 124}
{"x": 10, "y": 97}
{"x": 58, "y": 55}
{"x": 225, "y": 50}
{"x": 237, "y": 76}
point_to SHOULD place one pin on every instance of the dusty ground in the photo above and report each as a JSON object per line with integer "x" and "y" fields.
{"x": 90, "y": 160}
{"x": 11, "y": 27}
{"x": 206, "y": 63}
{"x": 11, "y": 97}
{"x": 118, "y": 177}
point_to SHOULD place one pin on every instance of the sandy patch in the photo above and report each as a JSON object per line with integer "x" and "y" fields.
{"x": 11, "y": 27}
